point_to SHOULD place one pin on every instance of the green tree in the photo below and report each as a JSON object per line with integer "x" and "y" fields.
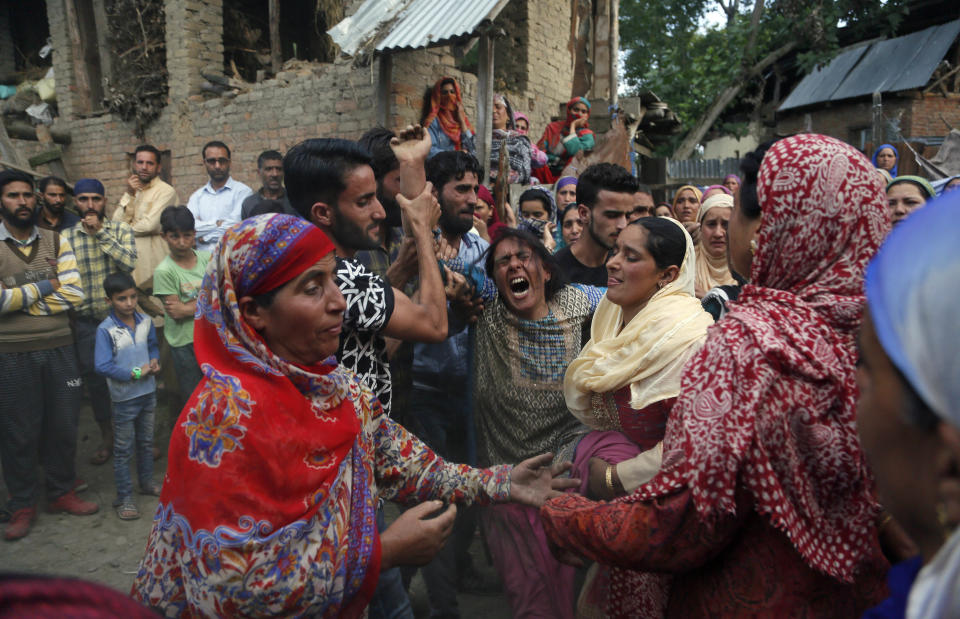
{"x": 700, "y": 71}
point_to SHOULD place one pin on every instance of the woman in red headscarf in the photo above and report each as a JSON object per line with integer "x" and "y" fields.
{"x": 562, "y": 139}
{"x": 279, "y": 458}
{"x": 446, "y": 120}
{"x": 764, "y": 504}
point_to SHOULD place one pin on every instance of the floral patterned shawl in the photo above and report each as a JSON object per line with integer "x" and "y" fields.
{"x": 770, "y": 400}
{"x": 267, "y": 506}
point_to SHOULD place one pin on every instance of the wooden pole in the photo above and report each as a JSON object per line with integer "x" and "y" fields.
{"x": 82, "y": 80}
{"x": 484, "y": 101}
{"x": 384, "y": 89}
{"x": 103, "y": 45}
{"x": 614, "y": 50}
{"x": 276, "y": 58}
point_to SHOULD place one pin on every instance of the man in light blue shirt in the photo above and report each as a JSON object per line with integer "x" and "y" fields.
{"x": 439, "y": 404}
{"x": 216, "y": 206}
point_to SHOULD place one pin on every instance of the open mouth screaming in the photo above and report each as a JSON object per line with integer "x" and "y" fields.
{"x": 519, "y": 286}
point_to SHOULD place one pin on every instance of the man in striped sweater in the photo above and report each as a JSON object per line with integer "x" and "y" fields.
{"x": 39, "y": 380}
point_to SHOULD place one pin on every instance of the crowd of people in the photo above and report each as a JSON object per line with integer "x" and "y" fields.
{"x": 643, "y": 409}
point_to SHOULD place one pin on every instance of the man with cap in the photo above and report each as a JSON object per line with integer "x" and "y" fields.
{"x": 102, "y": 247}
{"x": 39, "y": 381}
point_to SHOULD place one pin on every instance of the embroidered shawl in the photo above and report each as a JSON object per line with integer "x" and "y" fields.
{"x": 770, "y": 400}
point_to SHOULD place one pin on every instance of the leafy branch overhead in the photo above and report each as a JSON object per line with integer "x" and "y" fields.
{"x": 136, "y": 88}
{"x": 704, "y": 69}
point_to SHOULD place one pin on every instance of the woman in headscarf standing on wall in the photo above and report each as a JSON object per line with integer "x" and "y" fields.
{"x": 562, "y": 139}
{"x": 447, "y": 121}
{"x": 518, "y": 144}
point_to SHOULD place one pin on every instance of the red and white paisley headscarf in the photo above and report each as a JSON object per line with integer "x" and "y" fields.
{"x": 770, "y": 399}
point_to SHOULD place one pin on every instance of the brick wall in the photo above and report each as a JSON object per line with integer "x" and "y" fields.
{"x": 414, "y": 71}
{"x": 842, "y": 119}
{"x": 542, "y": 27}
{"x": 931, "y": 114}
{"x": 919, "y": 115}
{"x": 194, "y": 40}
{"x": 311, "y": 100}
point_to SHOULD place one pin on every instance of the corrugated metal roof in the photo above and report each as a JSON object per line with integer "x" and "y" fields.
{"x": 885, "y": 66}
{"x": 383, "y": 25}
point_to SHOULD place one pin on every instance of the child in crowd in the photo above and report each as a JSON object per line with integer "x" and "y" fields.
{"x": 176, "y": 282}
{"x": 127, "y": 355}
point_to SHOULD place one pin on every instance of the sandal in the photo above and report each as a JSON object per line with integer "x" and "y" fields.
{"x": 151, "y": 490}
{"x": 127, "y": 511}
{"x": 100, "y": 456}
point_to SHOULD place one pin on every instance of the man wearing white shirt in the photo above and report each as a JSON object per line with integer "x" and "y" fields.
{"x": 216, "y": 205}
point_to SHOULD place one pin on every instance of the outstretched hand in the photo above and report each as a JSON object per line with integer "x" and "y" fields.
{"x": 417, "y": 535}
{"x": 413, "y": 144}
{"x": 534, "y": 481}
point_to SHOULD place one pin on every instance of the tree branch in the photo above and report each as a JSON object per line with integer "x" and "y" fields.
{"x": 754, "y": 29}
{"x": 685, "y": 149}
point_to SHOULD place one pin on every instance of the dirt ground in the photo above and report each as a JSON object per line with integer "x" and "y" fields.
{"x": 105, "y": 549}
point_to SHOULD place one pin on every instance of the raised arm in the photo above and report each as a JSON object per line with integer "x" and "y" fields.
{"x": 424, "y": 320}
{"x": 411, "y": 149}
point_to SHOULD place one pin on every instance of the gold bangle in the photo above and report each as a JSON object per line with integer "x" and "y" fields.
{"x": 884, "y": 522}
{"x": 609, "y": 477}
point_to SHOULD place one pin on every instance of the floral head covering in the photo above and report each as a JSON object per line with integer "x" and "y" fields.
{"x": 262, "y": 453}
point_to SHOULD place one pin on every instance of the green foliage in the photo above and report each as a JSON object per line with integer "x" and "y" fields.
{"x": 667, "y": 51}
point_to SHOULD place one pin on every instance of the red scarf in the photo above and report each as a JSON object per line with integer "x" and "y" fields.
{"x": 442, "y": 107}
{"x": 770, "y": 400}
{"x": 264, "y": 453}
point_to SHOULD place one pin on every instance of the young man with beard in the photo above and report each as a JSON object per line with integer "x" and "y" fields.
{"x": 39, "y": 380}
{"x": 331, "y": 183}
{"x": 386, "y": 170}
{"x": 270, "y": 171}
{"x": 53, "y": 202}
{"x": 143, "y": 200}
{"x": 440, "y": 405}
{"x": 605, "y": 194}
{"x": 217, "y": 205}
{"x": 101, "y": 248}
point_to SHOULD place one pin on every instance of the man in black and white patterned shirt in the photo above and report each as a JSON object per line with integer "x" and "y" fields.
{"x": 331, "y": 183}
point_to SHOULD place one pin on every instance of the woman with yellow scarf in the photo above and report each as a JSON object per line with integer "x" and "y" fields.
{"x": 627, "y": 377}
